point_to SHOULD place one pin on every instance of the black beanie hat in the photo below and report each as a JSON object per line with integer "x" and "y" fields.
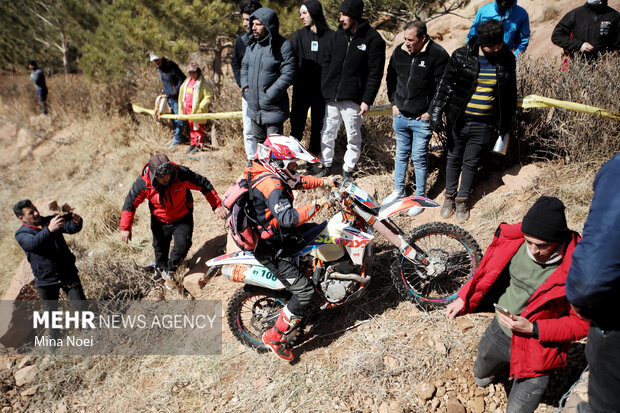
{"x": 352, "y": 8}
{"x": 546, "y": 220}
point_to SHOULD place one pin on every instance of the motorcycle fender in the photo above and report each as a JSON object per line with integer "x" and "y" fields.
{"x": 237, "y": 257}
{"x": 403, "y": 204}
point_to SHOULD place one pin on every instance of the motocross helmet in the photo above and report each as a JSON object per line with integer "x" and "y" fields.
{"x": 279, "y": 154}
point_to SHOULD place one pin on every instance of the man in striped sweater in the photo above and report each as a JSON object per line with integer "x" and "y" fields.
{"x": 478, "y": 93}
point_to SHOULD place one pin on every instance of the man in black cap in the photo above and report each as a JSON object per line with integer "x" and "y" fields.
{"x": 168, "y": 187}
{"x": 352, "y": 73}
{"x": 523, "y": 274}
{"x": 478, "y": 93}
{"x": 309, "y": 44}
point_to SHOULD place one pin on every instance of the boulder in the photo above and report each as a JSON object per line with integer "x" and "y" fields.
{"x": 25, "y": 375}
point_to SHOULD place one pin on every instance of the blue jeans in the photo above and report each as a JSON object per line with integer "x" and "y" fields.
{"x": 412, "y": 138}
{"x": 177, "y": 123}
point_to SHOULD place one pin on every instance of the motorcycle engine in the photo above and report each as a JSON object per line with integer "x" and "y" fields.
{"x": 336, "y": 290}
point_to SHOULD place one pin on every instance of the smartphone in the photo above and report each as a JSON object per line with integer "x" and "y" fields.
{"x": 502, "y": 309}
{"x": 68, "y": 216}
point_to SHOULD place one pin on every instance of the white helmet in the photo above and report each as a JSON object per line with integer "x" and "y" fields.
{"x": 279, "y": 154}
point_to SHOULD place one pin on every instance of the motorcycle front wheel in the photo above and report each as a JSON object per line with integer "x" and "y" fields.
{"x": 252, "y": 311}
{"x": 454, "y": 256}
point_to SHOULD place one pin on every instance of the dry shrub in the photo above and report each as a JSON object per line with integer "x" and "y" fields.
{"x": 106, "y": 278}
{"x": 560, "y": 133}
{"x": 550, "y": 12}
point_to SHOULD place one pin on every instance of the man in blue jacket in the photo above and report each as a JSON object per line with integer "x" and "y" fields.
{"x": 516, "y": 23}
{"x": 593, "y": 288}
{"x": 267, "y": 70}
{"x": 53, "y": 264}
{"x": 246, "y": 8}
{"x": 171, "y": 78}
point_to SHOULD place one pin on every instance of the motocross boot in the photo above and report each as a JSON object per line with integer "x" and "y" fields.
{"x": 276, "y": 337}
{"x": 448, "y": 207}
{"x": 462, "y": 210}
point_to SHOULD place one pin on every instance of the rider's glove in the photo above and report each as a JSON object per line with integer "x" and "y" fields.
{"x": 332, "y": 180}
{"x": 324, "y": 202}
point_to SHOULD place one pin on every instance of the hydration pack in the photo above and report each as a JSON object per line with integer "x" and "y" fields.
{"x": 241, "y": 221}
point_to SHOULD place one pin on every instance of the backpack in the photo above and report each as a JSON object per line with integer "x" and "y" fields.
{"x": 241, "y": 220}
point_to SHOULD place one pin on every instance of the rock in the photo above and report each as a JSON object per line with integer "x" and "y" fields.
{"x": 26, "y": 360}
{"x": 390, "y": 362}
{"x": 13, "y": 330}
{"x": 262, "y": 382}
{"x": 390, "y": 406}
{"x": 441, "y": 391}
{"x": 25, "y": 375}
{"x": 454, "y": 406}
{"x": 478, "y": 405}
{"x": 194, "y": 283}
{"x": 492, "y": 406}
{"x": 450, "y": 375}
{"x": 435, "y": 404}
{"x": 29, "y": 392}
{"x": 441, "y": 348}
{"x": 438, "y": 383}
{"x": 464, "y": 324}
{"x": 425, "y": 390}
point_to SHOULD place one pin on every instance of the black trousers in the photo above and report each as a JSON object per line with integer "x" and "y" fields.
{"x": 603, "y": 354}
{"x": 302, "y": 101}
{"x": 73, "y": 289}
{"x": 466, "y": 145}
{"x": 181, "y": 231}
{"x": 260, "y": 132}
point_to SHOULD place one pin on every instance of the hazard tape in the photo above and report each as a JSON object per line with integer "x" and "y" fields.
{"x": 526, "y": 102}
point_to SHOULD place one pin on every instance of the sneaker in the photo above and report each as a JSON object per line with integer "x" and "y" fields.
{"x": 484, "y": 382}
{"x": 393, "y": 197}
{"x": 416, "y": 210}
{"x": 192, "y": 149}
{"x": 172, "y": 144}
{"x": 169, "y": 281}
{"x": 347, "y": 174}
{"x": 325, "y": 171}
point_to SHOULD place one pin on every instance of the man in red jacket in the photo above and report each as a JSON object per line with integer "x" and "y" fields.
{"x": 524, "y": 272}
{"x": 167, "y": 187}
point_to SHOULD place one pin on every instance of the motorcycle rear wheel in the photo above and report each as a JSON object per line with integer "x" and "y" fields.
{"x": 453, "y": 251}
{"x": 253, "y": 310}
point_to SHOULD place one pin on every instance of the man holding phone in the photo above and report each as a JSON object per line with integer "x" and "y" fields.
{"x": 53, "y": 264}
{"x": 523, "y": 273}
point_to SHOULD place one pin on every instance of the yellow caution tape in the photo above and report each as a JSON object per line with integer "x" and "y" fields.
{"x": 527, "y": 102}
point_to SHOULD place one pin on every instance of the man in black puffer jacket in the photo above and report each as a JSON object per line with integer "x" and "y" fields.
{"x": 478, "y": 93}
{"x": 53, "y": 264}
{"x": 352, "y": 73}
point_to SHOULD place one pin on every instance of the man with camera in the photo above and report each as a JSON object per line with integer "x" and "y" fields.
{"x": 53, "y": 264}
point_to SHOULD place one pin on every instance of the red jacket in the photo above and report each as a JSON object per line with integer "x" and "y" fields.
{"x": 558, "y": 325}
{"x": 170, "y": 203}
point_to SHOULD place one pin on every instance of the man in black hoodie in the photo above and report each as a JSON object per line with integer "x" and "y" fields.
{"x": 352, "y": 73}
{"x": 589, "y": 30}
{"x": 246, "y": 8}
{"x": 309, "y": 45}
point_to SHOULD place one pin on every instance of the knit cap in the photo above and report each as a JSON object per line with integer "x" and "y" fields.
{"x": 546, "y": 220}
{"x": 352, "y": 8}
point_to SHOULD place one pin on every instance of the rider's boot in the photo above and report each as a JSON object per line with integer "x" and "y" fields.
{"x": 275, "y": 338}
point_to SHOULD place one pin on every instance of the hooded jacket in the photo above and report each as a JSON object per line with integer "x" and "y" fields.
{"x": 241, "y": 44}
{"x": 598, "y": 26}
{"x": 47, "y": 252}
{"x": 558, "y": 324}
{"x": 201, "y": 98}
{"x": 168, "y": 203}
{"x": 267, "y": 70}
{"x": 593, "y": 282}
{"x": 353, "y": 65}
{"x": 516, "y": 24}
{"x": 310, "y": 50}
{"x": 457, "y": 86}
{"x": 171, "y": 78}
{"x": 412, "y": 80}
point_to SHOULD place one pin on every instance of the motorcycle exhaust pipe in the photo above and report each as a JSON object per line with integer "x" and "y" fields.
{"x": 349, "y": 277}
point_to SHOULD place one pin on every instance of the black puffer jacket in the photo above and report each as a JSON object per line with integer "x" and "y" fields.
{"x": 458, "y": 82}
{"x": 353, "y": 66}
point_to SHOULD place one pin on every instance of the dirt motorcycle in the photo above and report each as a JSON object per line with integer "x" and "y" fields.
{"x": 430, "y": 265}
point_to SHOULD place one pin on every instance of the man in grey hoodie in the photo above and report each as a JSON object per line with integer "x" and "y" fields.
{"x": 267, "y": 70}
